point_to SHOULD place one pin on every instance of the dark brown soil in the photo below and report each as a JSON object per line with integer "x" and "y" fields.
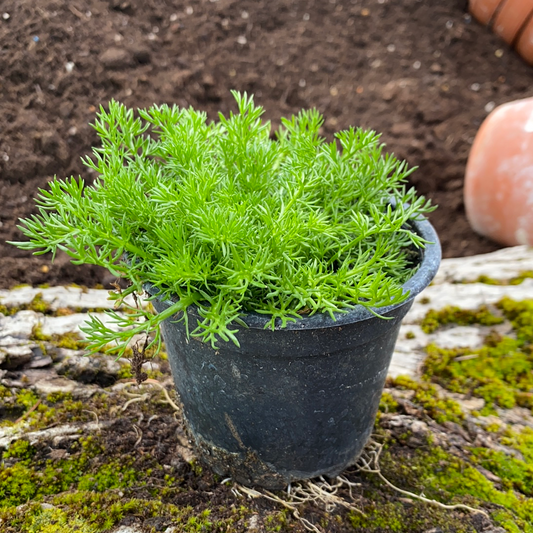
{"x": 420, "y": 72}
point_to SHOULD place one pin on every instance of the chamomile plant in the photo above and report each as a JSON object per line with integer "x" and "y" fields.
{"x": 224, "y": 217}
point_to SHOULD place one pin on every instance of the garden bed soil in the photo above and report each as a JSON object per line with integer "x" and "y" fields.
{"x": 423, "y": 73}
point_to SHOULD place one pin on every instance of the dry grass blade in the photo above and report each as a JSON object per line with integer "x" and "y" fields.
{"x": 35, "y": 405}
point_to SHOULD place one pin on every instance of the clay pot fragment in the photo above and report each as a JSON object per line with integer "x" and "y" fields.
{"x": 499, "y": 175}
{"x": 512, "y": 20}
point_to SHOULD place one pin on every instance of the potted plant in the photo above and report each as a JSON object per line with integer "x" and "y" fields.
{"x": 280, "y": 271}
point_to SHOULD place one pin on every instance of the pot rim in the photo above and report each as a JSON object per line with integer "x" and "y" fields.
{"x": 429, "y": 264}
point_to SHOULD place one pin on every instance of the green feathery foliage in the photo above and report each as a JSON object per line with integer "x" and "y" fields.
{"x": 220, "y": 216}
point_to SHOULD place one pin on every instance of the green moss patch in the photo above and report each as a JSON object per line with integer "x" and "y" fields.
{"x": 30, "y": 479}
{"x": 501, "y": 372}
{"x": 462, "y": 317}
{"x": 37, "y": 304}
{"x": 440, "y": 409}
{"x": 382, "y": 515}
{"x": 516, "y": 280}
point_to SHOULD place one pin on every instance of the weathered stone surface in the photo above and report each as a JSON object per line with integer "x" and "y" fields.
{"x": 90, "y": 369}
{"x": 501, "y": 265}
{"x": 39, "y": 360}
{"x": 60, "y": 298}
{"x": 47, "y": 382}
{"x": 60, "y": 325}
{"x": 15, "y": 356}
{"x": 8, "y": 435}
{"x": 408, "y": 352}
{"x": 466, "y": 296}
{"x": 447, "y": 290}
{"x": 459, "y": 337}
{"x": 19, "y": 325}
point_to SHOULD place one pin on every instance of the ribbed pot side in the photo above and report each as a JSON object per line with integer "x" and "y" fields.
{"x": 292, "y": 403}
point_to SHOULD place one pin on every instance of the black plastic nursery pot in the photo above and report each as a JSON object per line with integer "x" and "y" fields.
{"x": 293, "y": 403}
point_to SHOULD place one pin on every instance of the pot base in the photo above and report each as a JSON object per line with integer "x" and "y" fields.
{"x": 248, "y": 469}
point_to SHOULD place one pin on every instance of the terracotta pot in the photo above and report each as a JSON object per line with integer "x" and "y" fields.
{"x": 524, "y": 44}
{"x": 483, "y": 10}
{"x": 499, "y": 175}
{"x": 510, "y": 18}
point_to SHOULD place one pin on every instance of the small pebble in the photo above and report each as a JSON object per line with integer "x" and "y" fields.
{"x": 5, "y": 16}
{"x": 334, "y": 91}
{"x": 391, "y": 48}
{"x": 302, "y": 83}
{"x": 359, "y": 90}
{"x": 69, "y": 66}
{"x": 241, "y": 39}
{"x": 365, "y": 12}
{"x": 490, "y": 106}
{"x": 5, "y": 157}
{"x": 475, "y": 87}
{"x": 173, "y": 17}
{"x": 244, "y": 15}
{"x": 189, "y": 10}
{"x": 117, "y": 37}
{"x": 232, "y": 72}
{"x": 376, "y": 63}
{"x": 306, "y": 16}
{"x": 468, "y": 18}
{"x": 225, "y": 23}
{"x": 381, "y": 1}
{"x": 72, "y": 131}
{"x": 417, "y": 65}
{"x": 498, "y": 53}
{"x": 449, "y": 24}
{"x": 115, "y": 58}
{"x": 88, "y": 14}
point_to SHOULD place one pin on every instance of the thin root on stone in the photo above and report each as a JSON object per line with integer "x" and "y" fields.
{"x": 368, "y": 462}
